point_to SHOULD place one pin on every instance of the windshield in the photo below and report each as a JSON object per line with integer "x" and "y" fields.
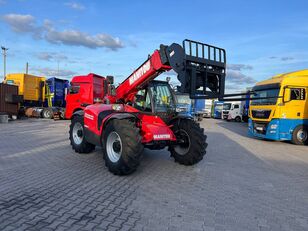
{"x": 162, "y": 98}
{"x": 218, "y": 107}
{"x": 227, "y": 106}
{"x": 265, "y": 91}
{"x": 183, "y": 99}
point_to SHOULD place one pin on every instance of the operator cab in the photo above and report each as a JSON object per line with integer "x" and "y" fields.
{"x": 156, "y": 98}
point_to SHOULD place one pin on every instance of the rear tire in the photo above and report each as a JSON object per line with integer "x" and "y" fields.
{"x": 47, "y": 113}
{"x": 300, "y": 135}
{"x": 194, "y": 146}
{"x": 122, "y": 146}
{"x": 77, "y": 138}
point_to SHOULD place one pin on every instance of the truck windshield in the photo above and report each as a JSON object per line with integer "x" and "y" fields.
{"x": 265, "y": 91}
{"x": 183, "y": 99}
{"x": 218, "y": 107}
{"x": 227, "y": 106}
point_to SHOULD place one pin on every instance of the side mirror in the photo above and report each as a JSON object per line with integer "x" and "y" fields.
{"x": 110, "y": 79}
{"x": 286, "y": 95}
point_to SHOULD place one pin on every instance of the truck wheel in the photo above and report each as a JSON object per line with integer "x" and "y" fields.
{"x": 122, "y": 146}
{"x": 300, "y": 135}
{"x": 191, "y": 146}
{"x": 47, "y": 113}
{"x": 78, "y": 141}
{"x": 238, "y": 119}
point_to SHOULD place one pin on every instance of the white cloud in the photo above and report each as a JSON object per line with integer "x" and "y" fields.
{"x": 49, "y": 72}
{"x": 26, "y": 24}
{"x": 51, "y": 56}
{"x": 23, "y": 24}
{"x": 237, "y": 77}
{"x": 239, "y": 67}
{"x": 75, "y": 5}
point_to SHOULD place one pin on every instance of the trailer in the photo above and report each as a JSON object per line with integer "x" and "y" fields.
{"x": 41, "y": 97}
{"x": 9, "y": 100}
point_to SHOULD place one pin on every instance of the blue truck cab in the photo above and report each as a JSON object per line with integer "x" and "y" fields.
{"x": 56, "y": 90}
{"x": 218, "y": 106}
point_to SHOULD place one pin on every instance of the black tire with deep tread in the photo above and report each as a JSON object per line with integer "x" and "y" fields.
{"x": 85, "y": 147}
{"x": 294, "y": 135}
{"x": 131, "y": 146}
{"x": 198, "y": 144}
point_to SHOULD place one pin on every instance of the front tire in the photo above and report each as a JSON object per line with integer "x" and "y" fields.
{"x": 238, "y": 119}
{"x": 193, "y": 146}
{"x": 122, "y": 146}
{"x": 77, "y": 137}
{"x": 300, "y": 135}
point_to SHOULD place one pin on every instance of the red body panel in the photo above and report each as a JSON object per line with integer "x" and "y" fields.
{"x": 91, "y": 87}
{"x": 152, "y": 127}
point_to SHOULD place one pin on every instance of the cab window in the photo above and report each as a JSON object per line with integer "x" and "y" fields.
{"x": 236, "y": 106}
{"x": 298, "y": 93}
{"x": 74, "y": 89}
{"x": 143, "y": 101}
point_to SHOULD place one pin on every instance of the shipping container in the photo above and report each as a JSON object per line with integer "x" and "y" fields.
{"x": 9, "y": 99}
{"x": 31, "y": 87}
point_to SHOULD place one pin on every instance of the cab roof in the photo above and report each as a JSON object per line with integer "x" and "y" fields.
{"x": 285, "y": 76}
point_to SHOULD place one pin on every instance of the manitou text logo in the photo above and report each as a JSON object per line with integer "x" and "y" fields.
{"x": 140, "y": 72}
{"x": 161, "y": 137}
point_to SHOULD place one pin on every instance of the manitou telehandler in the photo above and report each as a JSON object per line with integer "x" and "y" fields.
{"x": 141, "y": 112}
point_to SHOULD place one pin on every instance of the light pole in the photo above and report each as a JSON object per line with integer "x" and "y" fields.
{"x": 4, "y": 50}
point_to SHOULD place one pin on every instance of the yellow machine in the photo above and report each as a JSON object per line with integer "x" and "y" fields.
{"x": 280, "y": 108}
{"x": 31, "y": 87}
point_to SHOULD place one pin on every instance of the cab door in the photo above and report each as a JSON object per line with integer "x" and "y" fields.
{"x": 295, "y": 107}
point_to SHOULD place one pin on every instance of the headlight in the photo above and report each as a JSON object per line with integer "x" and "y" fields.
{"x": 117, "y": 107}
{"x": 274, "y": 126}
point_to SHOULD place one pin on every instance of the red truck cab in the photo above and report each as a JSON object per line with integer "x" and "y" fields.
{"x": 85, "y": 90}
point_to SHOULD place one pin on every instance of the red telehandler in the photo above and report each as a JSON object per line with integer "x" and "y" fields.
{"x": 141, "y": 112}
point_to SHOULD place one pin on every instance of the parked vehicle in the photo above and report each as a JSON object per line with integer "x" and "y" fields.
{"x": 245, "y": 111}
{"x": 141, "y": 112}
{"x": 184, "y": 105}
{"x": 279, "y": 108}
{"x": 85, "y": 90}
{"x": 218, "y": 106}
{"x": 198, "y": 108}
{"x": 41, "y": 97}
{"x": 232, "y": 111}
{"x": 31, "y": 87}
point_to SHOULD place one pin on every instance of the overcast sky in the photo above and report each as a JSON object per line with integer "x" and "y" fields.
{"x": 262, "y": 38}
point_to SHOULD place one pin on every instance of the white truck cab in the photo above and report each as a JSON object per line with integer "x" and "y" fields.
{"x": 232, "y": 111}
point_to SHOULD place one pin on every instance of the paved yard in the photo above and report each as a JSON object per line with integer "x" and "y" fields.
{"x": 242, "y": 184}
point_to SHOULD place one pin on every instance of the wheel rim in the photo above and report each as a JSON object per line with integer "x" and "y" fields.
{"x": 114, "y": 147}
{"x": 47, "y": 114}
{"x": 78, "y": 133}
{"x": 183, "y": 148}
{"x": 301, "y": 135}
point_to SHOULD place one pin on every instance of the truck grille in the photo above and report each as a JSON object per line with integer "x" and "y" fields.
{"x": 225, "y": 112}
{"x": 261, "y": 114}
